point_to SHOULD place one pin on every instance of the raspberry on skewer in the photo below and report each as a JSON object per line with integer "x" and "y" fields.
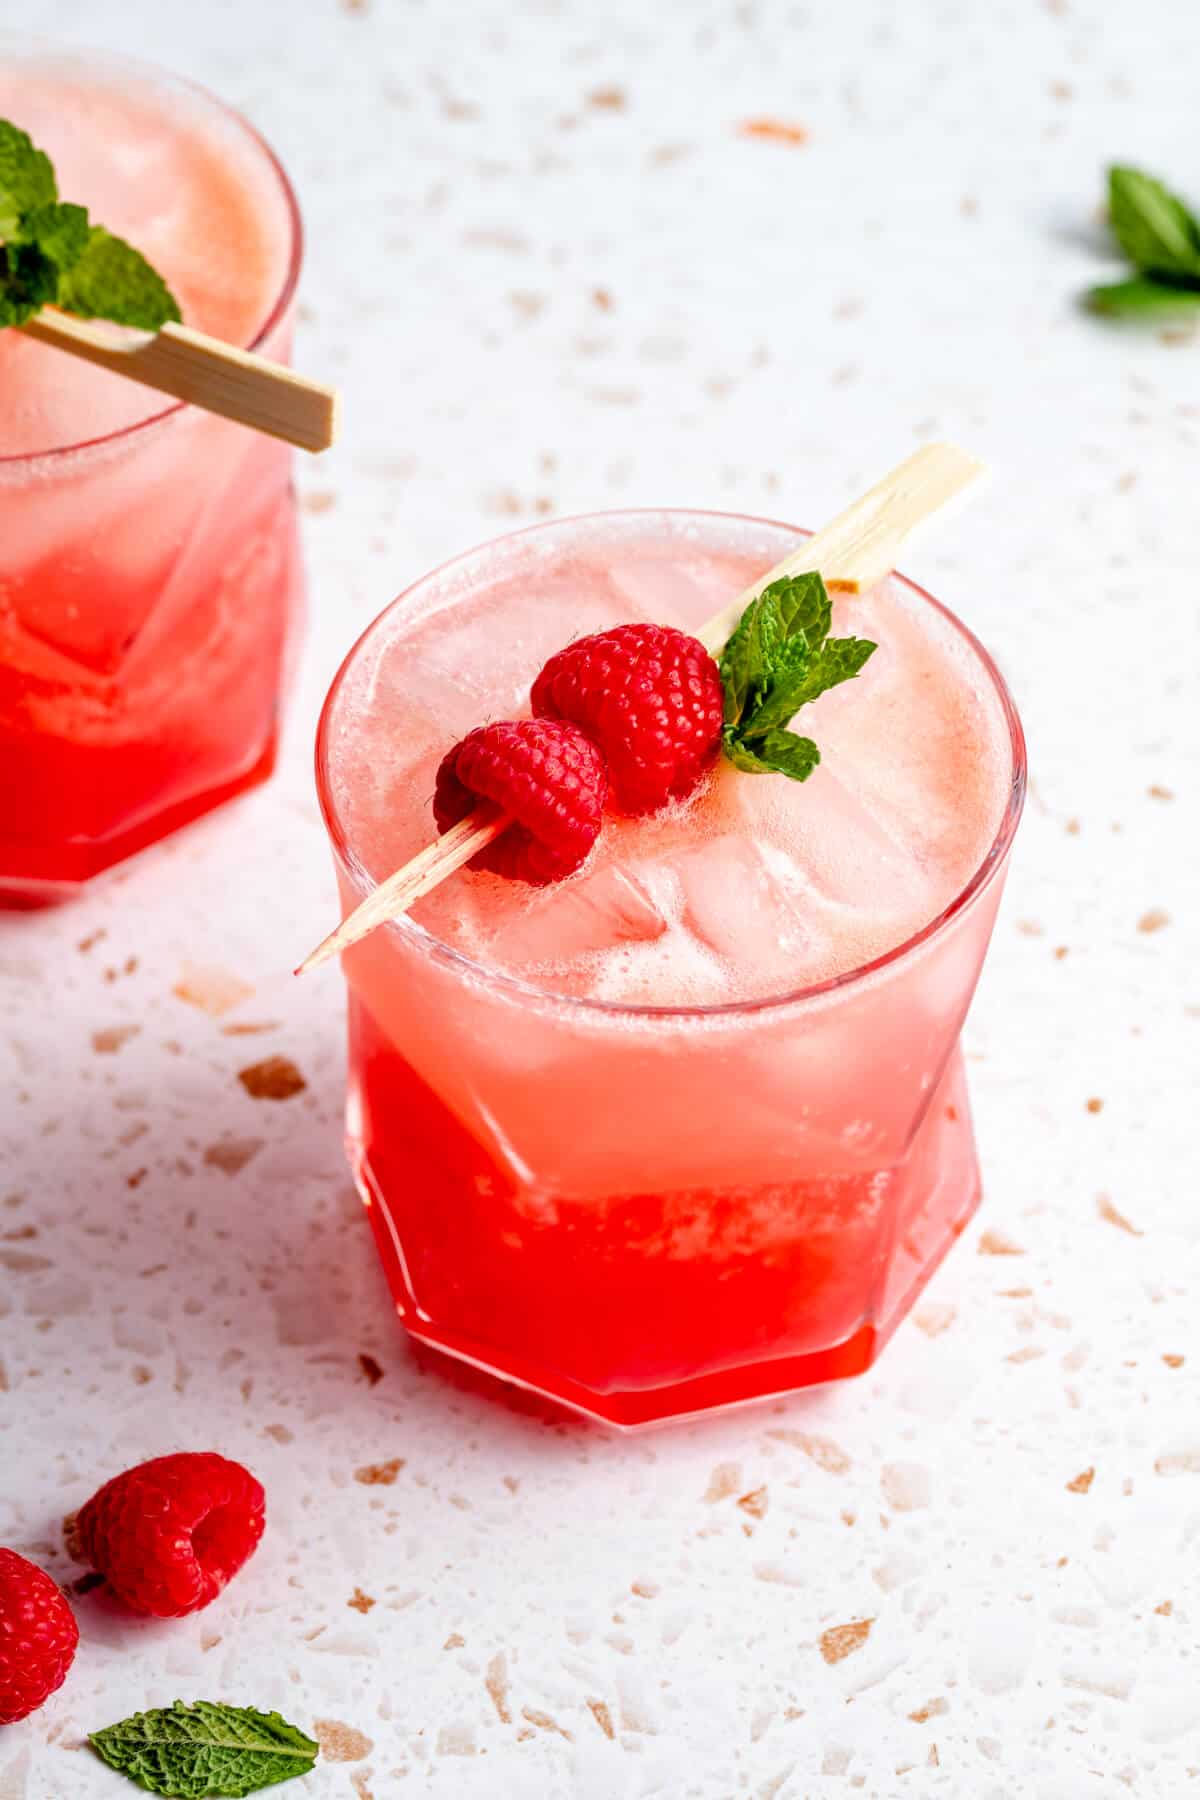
{"x": 650, "y": 696}
{"x": 546, "y": 777}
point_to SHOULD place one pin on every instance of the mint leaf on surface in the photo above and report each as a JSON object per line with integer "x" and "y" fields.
{"x": 112, "y": 280}
{"x": 1153, "y": 226}
{"x": 1143, "y": 294}
{"x": 778, "y": 659}
{"x": 207, "y": 1749}
{"x": 26, "y": 177}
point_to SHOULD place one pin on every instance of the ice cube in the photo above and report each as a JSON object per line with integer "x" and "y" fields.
{"x": 855, "y": 856}
{"x": 905, "y": 739}
{"x": 419, "y": 689}
{"x": 555, "y": 928}
{"x": 748, "y": 904}
{"x": 675, "y": 970}
{"x": 678, "y": 588}
{"x": 846, "y": 851}
{"x": 119, "y": 549}
{"x": 475, "y": 659}
{"x": 535, "y": 613}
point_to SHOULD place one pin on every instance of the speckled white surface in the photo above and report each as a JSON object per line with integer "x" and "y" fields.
{"x": 552, "y": 276}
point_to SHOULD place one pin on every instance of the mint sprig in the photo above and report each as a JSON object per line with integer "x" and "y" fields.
{"x": 112, "y": 280}
{"x": 60, "y": 232}
{"x": 1153, "y": 226}
{"x": 1161, "y": 238}
{"x": 1143, "y": 294}
{"x": 52, "y": 255}
{"x": 26, "y": 178}
{"x": 780, "y": 658}
{"x": 207, "y": 1749}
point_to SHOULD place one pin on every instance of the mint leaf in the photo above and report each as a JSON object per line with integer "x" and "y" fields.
{"x": 28, "y": 281}
{"x": 771, "y": 631}
{"x": 780, "y": 658}
{"x": 59, "y": 231}
{"x": 1143, "y": 294}
{"x": 780, "y": 753}
{"x": 112, "y": 280}
{"x": 50, "y": 255}
{"x": 1153, "y": 226}
{"x": 838, "y": 660}
{"x": 786, "y": 754}
{"x": 192, "y": 1752}
{"x": 746, "y": 657}
{"x": 784, "y": 695}
{"x": 26, "y": 178}
{"x": 741, "y": 755}
{"x": 804, "y": 606}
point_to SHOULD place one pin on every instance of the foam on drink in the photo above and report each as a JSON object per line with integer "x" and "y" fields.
{"x": 756, "y": 885}
{"x": 181, "y": 180}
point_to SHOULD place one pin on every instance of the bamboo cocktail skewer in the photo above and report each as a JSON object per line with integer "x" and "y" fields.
{"x": 853, "y": 553}
{"x": 204, "y": 371}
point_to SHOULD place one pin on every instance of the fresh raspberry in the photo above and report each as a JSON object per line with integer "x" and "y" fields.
{"x": 549, "y": 778}
{"x": 650, "y": 697}
{"x": 38, "y": 1635}
{"x": 169, "y": 1534}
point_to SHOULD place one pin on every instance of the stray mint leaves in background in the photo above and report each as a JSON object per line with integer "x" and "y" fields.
{"x": 1161, "y": 238}
{"x": 778, "y": 659}
{"x": 1142, "y": 294}
{"x": 51, "y": 255}
{"x": 207, "y": 1749}
{"x": 1153, "y": 226}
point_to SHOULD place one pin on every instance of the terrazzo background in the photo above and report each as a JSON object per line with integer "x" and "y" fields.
{"x": 553, "y": 274}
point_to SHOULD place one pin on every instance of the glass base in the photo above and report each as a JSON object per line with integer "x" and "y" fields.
{"x": 763, "y": 1324}
{"x": 85, "y": 793}
{"x": 27, "y": 882}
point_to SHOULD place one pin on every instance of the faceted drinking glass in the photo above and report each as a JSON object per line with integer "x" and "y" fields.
{"x": 150, "y": 577}
{"x": 649, "y": 1211}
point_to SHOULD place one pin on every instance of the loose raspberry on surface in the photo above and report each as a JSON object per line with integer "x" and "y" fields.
{"x": 650, "y": 697}
{"x": 38, "y": 1637}
{"x": 547, "y": 776}
{"x": 169, "y": 1534}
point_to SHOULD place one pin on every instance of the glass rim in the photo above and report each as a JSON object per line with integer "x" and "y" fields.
{"x": 425, "y": 942}
{"x": 35, "y": 49}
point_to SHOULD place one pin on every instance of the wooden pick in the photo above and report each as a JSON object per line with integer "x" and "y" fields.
{"x": 853, "y": 553}
{"x": 205, "y": 372}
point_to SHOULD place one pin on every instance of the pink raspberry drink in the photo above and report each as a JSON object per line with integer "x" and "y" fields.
{"x": 150, "y": 583}
{"x": 691, "y": 1126}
